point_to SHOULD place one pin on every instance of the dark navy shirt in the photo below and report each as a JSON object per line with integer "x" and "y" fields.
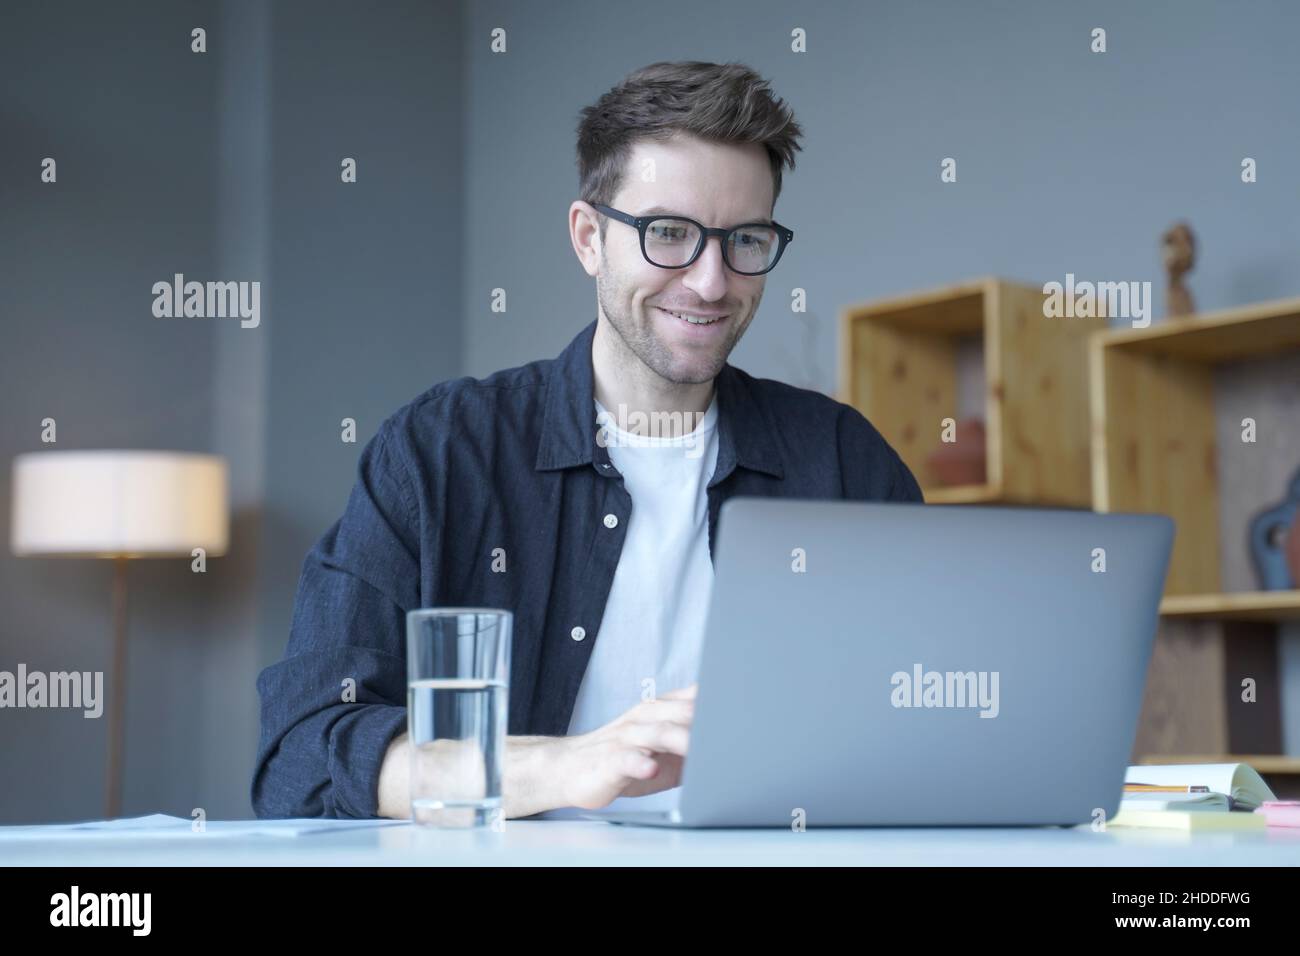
{"x": 507, "y": 462}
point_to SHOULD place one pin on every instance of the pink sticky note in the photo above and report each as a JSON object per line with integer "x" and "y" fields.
{"x": 1281, "y": 813}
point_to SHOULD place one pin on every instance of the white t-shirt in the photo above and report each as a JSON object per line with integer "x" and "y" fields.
{"x": 653, "y": 626}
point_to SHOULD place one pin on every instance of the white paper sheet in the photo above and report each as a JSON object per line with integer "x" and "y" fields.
{"x": 162, "y": 825}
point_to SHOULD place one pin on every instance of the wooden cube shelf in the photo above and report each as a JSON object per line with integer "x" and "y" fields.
{"x": 1155, "y": 449}
{"x": 1153, "y": 431}
{"x": 898, "y": 366}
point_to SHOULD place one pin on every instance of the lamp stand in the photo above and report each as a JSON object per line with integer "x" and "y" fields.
{"x": 116, "y": 693}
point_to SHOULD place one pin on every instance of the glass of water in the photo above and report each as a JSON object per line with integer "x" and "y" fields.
{"x": 458, "y": 673}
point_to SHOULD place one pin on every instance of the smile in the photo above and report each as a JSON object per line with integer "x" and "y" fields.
{"x": 693, "y": 318}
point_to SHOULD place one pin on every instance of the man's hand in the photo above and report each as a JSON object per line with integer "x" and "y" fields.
{"x": 642, "y": 751}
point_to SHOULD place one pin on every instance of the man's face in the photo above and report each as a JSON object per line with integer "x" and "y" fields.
{"x": 714, "y": 184}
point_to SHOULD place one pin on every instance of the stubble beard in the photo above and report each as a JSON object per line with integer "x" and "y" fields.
{"x": 641, "y": 340}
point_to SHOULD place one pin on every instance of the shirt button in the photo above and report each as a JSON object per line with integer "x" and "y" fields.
{"x": 611, "y": 521}
{"x": 578, "y": 633}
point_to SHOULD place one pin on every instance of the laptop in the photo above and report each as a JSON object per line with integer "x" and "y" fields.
{"x": 874, "y": 664}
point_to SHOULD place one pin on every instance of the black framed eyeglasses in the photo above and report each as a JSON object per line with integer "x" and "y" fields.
{"x": 674, "y": 242}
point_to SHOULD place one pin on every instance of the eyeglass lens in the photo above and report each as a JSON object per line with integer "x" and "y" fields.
{"x": 672, "y": 243}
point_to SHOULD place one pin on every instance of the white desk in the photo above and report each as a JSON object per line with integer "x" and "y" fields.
{"x": 573, "y": 842}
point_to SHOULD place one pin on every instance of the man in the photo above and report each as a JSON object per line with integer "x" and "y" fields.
{"x": 503, "y": 492}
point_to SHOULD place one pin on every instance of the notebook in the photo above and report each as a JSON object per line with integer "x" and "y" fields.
{"x": 1186, "y": 820}
{"x": 1219, "y": 789}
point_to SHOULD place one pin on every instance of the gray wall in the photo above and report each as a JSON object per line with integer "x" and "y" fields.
{"x": 367, "y": 275}
{"x": 219, "y": 166}
{"x": 137, "y": 162}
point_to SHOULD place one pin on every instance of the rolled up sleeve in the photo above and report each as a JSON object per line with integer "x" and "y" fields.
{"x": 336, "y": 700}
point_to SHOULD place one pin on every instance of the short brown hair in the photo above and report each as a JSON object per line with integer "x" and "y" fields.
{"x": 720, "y": 102}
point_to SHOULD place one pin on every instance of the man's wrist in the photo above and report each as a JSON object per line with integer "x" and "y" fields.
{"x": 394, "y": 797}
{"x": 533, "y": 780}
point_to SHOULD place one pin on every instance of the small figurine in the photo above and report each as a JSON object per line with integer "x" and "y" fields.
{"x": 1178, "y": 250}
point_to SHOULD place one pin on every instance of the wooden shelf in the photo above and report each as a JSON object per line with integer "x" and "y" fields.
{"x": 899, "y": 366}
{"x": 1154, "y": 434}
{"x": 1225, "y": 336}
{"x": 991, "y": 495}
{"x": 1264, "y": 763}
{"x": 962, "y": 495}
{"x": 1239, "y": 606}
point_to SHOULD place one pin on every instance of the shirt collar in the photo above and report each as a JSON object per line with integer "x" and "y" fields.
{"x": 568, "y": 436}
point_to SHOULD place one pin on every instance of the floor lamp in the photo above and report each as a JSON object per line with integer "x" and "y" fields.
{"x": 119, "y": 505}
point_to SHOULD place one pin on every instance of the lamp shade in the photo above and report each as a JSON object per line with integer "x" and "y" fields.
{"x": 119, "y": 504}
